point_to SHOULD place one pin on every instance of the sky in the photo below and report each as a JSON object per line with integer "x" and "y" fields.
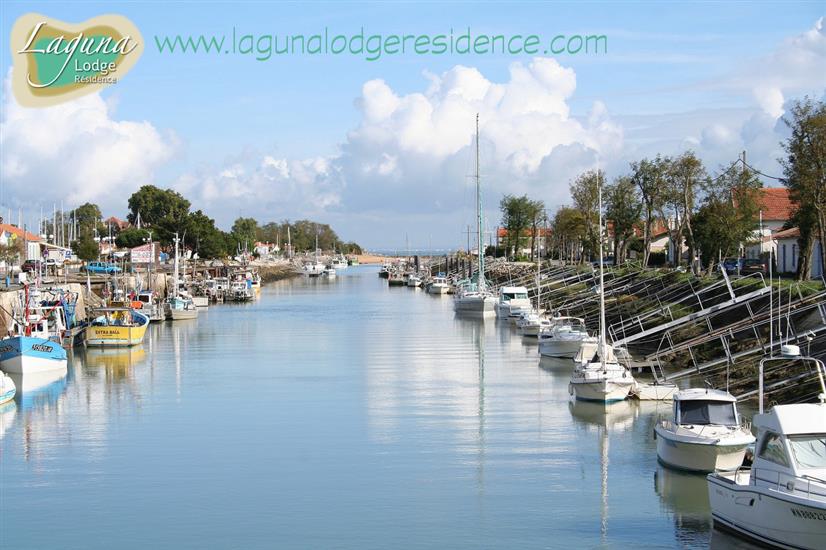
{"x": 383, "y": 150}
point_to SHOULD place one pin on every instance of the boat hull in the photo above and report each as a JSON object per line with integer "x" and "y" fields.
{"x": 563, "y": 349}
{"x": 201, "y": 301}
{"x": 26, "y": 354}
{"x": 767, "y": 515}
{"x": 697, "y": 457}
{"x": 602, "y": 391}
{"x": 474, "y": 305}
{"x": 437, "y": 289}
{"x": 113, "y": 336}
{"x": 183, "y": 314}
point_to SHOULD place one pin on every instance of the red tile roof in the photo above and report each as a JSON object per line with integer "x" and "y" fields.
{"x": 14, "y": 230}
{"x": 776, "y": 204}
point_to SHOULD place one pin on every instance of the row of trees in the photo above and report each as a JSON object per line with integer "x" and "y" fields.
{"x": 712, "y": 216}
{"x": 160, "y": 213}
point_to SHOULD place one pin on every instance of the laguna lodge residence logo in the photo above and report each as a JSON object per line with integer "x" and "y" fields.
{"x": 55, "y": 61}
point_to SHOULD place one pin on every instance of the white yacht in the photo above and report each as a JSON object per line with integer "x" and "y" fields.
{"x": 704, "y": 433}
{"x": 563, "y": 337}
{"x": 598, "y": 376}
{"x": 338, "y": 263}
{"x": 513, "y": 302}
{"x": 532, "y": 324}
{"x": 439, "y": 285}
{"x": 414, "y": 281}
{"x": 781, "y": 500}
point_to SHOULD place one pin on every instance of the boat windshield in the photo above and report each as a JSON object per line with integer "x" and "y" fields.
{"x": 809, "y": 450}
{"x": 707, "y": 412}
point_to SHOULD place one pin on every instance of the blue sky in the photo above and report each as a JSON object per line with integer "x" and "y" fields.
{"x": 289, "y": 137}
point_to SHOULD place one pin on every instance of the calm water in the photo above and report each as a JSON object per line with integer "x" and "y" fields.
{"x": 334, "y": 414}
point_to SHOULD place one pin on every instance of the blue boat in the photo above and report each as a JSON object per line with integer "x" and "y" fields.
{"x": 33, "y": 346}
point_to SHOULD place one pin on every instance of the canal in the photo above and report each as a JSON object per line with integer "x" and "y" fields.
{"x": 335, "y": 414}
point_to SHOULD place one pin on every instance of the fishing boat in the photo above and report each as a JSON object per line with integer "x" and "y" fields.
{"x": 330, "y": 273}
{"x": 781, "y": 499}
{"x": 34, "y": 333}
{"x": 150, "y": 305}
{"x": 384, "y": 272}
{"x": 438, "y": 285}
{"x": 704, "y": 433}
{"x": 598, "y": 376}
{"x": 414, "y": 281}
{"x": 7, "y": 388}
{"x": 513, "y": 302}
{"x": 563, "y": 337}
{"x": 338, "y": 262}
{"x": 179, "y": 306}
{"x": 241, "y": 291}
{"x": 396, "y": 279}
{"x": 116, "y": 327}
{"x": 472, "y": 297}
{"x": 255, "y": 281}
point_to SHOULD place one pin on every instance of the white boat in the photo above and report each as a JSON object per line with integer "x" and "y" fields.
{"x": 338, "y": 263}
{"x": 598, "y": 376}
{"x": 704, "y": 433}
{"x": 438, "y": 285}
{"x": 473, "y": 298}
{"x": 32, "y": 344}
{"x": 330, "y": 273}
{"x": 532, "y": 324}
{"x": 7, "y": 388}
{"x": 201, "y": 302}
{"x": 151, "y": 305}
{"x": 512, "y": 303}
{"x": 781, "y": 500}
{"x": 563, "y": 338}
{"x": 315, "y": 269}
{"x": 414, "y": 281}
{"x": 179, "y": 306}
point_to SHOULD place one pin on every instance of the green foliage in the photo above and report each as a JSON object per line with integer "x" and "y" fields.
{"x": 132, "y": 237}
{"x": 204, "y": 238}
{"x": 88, "y": 218}
{"x": 86, "y": 248}
{"x": 585, "y": 193}
{"x": 623, "y": 209}
{"x": 649, "y": 177}
{"x": 350, "y": 248}
{"x": 518, "y": 215}
{"x": 728, "y": 215}
{"x": 804, "y": 170}
{"x": 244, "y": 232}
{"x": 163, "y": 210}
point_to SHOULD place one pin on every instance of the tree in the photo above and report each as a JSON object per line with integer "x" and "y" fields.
{"x": 585, "y": 192}
{"x": 623, "y": 209}
{"x": 244, "y": 231}
{"x": 728, "y": 215}
{"x": 804, "y": 171}
{"x": 12, "y": 252}
{"x": 685, "y": 175}
{"x": 568, "y": 232}
{"x": 536, "y": 210}
{"x": 132, "y": 237}
{"x": 649, "y": 177}
{"x": 164, "y": 210}
{"x": 518, "y": 214}
{"x": 86, "y": 248}
{"x": 205, "y": 238}
{"x": 88, "y": 218}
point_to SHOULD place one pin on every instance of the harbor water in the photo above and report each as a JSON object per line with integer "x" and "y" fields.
{"x": 335, "y": 414}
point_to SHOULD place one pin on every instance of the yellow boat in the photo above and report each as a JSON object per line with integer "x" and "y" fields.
{"x": 116, "y": 327}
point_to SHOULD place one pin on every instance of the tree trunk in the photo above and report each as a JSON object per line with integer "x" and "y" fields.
{"x": 804, "y": 260}
{"x": 821, "y": 235}
{"x": 647, "y": 235}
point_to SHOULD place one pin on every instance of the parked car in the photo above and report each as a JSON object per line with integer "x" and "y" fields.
{"x": 31, "y": 265}
{"x": 732, "y": 266}
{"x": 100, "y": 267}
{"x": 753, "y": 265}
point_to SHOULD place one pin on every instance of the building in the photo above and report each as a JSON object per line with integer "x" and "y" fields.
{"x": 11, "y": 234}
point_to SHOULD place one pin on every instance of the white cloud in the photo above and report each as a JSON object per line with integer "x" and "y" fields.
{"x": 76, "y": 152}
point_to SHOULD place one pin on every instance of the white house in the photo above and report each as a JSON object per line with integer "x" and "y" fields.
{"x": 11, "y": 233}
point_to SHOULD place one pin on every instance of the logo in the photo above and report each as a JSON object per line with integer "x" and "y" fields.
{"x": 55, "y": 61}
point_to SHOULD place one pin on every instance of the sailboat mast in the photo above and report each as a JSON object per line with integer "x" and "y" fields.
{"x": 480, "y": 254}
{"x": 175, "y": 274}
{"x": 601, "y": 280}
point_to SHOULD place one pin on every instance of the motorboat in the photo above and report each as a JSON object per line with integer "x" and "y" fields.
{"x": 781, "y": 499}
{"x": 384, "y": 272}
{"x": 150, "y": 305}
{"x": 532, "y": 324}
{"x": 314, "y": 269}
{"x": 414, "y": 281}
{"x": 240, "y": 290}
{"x": 7, "y": 388}
{"x": 338, "y": 263}
{"x": 116, "y": 327}
{"x": 438, "y": 285}
{"x": 704, "y": 433}
{"x": 330, "y": 273}
{"x": 34, "y": 335}
{"x": 563, "y": 337}
{"x": 512, "y": 303}
{"x": 180, "y": 308}
{"x": 396, "y": 279}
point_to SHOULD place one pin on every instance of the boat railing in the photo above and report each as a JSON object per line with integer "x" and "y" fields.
{"x": 790, "y": 484}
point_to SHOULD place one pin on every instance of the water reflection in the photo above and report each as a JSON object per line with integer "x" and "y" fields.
{"x": 40, "y": 389}
{"x": 8, "y": 412}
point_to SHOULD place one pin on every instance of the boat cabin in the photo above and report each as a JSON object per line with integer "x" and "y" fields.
{"x": 705, "y": 407}
{"x": 508, "y": 294}
{"x": 791, "y": 443}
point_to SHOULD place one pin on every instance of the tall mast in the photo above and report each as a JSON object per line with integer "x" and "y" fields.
{"x": 602, "y": 344}
{"x": 480, "y": 254}
{"x": 175, "y": 274}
